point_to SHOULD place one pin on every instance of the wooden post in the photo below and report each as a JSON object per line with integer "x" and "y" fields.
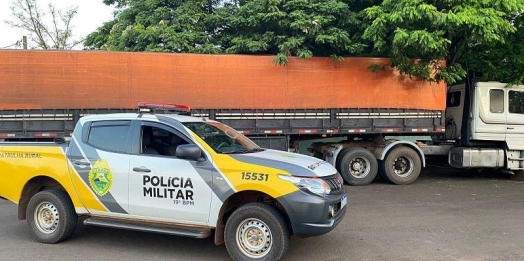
{"x": 24, "y": 41}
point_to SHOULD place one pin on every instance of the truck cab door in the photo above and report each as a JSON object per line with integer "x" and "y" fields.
{"x": 454, "y": 111}
{"x": 99, "y": 161}
{"x": 489, "y": 112}
{"x": 162, "y": 186}
{"x": 515, "y": 119}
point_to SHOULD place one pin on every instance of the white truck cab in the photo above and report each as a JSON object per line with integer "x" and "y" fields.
{"x": 489, "y": 128}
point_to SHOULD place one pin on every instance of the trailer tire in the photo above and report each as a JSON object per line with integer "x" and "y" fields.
{"x": 358, "y": 166}
{"x": 256, "y": 231}
{"x": 401, "y": 166}
{"x": 51, "y": 216}
{"x": 381, "y": 171}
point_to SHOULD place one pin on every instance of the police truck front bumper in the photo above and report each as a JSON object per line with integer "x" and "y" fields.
{"x": 312, "y": 215}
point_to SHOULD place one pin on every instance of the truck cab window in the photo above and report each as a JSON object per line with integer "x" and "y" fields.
{"x": 109, "y": 137}
{"x": 159, "y": 141}
{"x": 516, "y": 102}
{"x": 453, "y": 99}
{"x": 496, "y": 101}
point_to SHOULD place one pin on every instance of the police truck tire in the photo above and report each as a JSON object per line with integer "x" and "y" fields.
{"x": 358, "y": 166}
{"x": 51, "y": 216}
{"x": 402, "y": 166}
{"x": 256, "y": 231}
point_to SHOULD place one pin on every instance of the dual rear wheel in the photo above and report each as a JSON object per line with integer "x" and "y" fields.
{"x": 401, "y": 166}
{"x": 358, "y": 166}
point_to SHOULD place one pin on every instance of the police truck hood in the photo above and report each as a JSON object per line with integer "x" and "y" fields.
{"x": 294, "y": 163}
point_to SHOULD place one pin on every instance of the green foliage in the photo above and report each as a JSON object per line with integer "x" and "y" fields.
{"x": 432, "y": 40}
{"x": 500, "y": 61}
{"x": 157, "y": 26}
{"x": 417, "y": 34}
{"x": 376, "y": 67}
{"x": 301, "y": 28}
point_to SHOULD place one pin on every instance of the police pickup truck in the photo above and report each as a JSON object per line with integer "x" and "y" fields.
{"x": 175, "y": 174}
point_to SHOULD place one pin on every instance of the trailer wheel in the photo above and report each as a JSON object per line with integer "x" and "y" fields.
{"x": 256, "y": 231}
{"x": 358, "y": 166}
{"x": 401, "y": 166}
{"x": 51, "y": 216}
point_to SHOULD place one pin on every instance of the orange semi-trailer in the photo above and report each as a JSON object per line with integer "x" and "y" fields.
{"x": 44, "y": 93}
{"x": 90, "y": 80}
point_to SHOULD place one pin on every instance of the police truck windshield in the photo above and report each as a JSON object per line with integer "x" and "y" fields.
{"x": 222, "y": 138}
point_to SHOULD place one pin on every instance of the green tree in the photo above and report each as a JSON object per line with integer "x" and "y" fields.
{"x": 285, "y": 28}
{"x": 302, "y": 28}
{"x": 434, "y": 40}
{"x": 419, "y": 34}
{"x": 499, "y": 61}
{"x": 157, "y": 26}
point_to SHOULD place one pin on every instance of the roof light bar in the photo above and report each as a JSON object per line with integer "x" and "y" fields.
{"x": 151, "y": 107}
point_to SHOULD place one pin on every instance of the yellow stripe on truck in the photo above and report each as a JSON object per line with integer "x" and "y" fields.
{"x": 236, "y": 173}
{"x": 247, "y": 176}
{"x": 90, "y": 201}
{"x": 20, "y": 164}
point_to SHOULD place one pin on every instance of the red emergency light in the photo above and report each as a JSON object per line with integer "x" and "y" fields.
{"x": 152, "y": 107}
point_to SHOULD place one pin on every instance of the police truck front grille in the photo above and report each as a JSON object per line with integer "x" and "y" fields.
{"x": 335, "y": 183}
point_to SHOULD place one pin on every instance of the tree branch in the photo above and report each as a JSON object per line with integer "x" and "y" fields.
{"x": 56, "y": 31}
{"x": 455, "y": 50}
{"x": 32, "y": 19}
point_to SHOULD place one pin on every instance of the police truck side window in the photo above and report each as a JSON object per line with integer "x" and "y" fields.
{"x": 159, "y": 141}
{"x": 110, "y": 138}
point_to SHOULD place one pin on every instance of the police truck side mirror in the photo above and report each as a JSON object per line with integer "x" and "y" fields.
{"x": 189, "y": 151}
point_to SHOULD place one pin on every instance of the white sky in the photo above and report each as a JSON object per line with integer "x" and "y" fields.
{"x": 91, "y": 15}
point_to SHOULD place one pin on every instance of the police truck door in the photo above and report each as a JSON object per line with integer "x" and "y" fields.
{"x": 99, "y": 156}
{"x": 162, "y": 186}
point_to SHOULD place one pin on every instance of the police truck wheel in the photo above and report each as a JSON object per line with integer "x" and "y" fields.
{"x": 401, "y": 166}
{"x": 358, "y": 166}
{"x": 256, "y": 231}
{"x": 51, "y": 216}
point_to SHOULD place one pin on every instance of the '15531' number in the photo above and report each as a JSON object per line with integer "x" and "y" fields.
{"x": 255, "y": 176}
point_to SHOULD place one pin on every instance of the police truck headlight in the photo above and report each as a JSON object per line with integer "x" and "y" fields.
{"x": 314, "y": 185}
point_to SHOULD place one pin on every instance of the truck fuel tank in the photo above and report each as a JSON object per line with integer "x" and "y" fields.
{"x": 463, "y": 157}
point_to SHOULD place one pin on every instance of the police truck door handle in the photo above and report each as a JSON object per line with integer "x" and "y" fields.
{"x": 141, "y": 169}
{"x": 82, "y": 163}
